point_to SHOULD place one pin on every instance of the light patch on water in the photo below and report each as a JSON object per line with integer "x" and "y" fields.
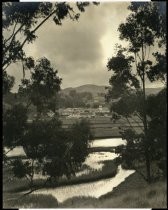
{"x": 94, "y": 160}
{"x": 17, "y": 151}
{"x": 113, "y": 142}
{"x": 94, "y": 189}
{"x": 39, "y": 176}
{"x": 84, "y": 172}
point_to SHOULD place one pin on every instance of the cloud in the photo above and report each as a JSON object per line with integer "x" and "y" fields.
{"x": 80, "y": 49}
{"x": 76, "y": 48}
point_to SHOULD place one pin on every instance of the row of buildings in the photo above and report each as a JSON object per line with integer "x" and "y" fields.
{"x": 84, "y": 112}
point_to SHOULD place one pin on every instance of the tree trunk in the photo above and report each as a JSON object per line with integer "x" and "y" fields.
{"x": 147, "y": 155}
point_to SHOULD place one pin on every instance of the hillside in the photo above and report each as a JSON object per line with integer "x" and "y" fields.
{"x": 95, "y": 89}
{"x": 12, "y": 98}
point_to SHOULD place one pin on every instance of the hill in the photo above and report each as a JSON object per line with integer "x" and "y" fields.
{"x": 97, "y": 91}
{"x": 94, "y": 89}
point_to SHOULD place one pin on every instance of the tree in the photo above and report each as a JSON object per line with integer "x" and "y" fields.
{"x": 21, "y": 21}
{"x": 42, "y": 88}
{"x": 52, "y": 151}
{"x": 157, "y": 110}
{"x": 131, "y": 67}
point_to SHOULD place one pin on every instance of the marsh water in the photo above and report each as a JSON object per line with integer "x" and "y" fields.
{"x": 92, "y": 189}
{"x": 94, "y": 161}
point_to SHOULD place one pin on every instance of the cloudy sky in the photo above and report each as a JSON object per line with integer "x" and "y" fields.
{"x": 79, "y": 50}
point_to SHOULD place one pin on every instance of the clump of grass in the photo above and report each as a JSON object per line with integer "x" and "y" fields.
{"x": 32, "y": 201}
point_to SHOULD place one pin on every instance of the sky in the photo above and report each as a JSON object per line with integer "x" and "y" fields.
{"x": 79, "y": 50}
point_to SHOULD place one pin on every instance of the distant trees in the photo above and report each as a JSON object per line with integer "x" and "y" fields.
{"x": 132, "y": 67}
{"x": 75, "y": 99}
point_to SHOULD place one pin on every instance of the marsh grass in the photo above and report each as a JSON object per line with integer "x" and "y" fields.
{"x": 32, "y": 201}
{"x": 151, "y": 196}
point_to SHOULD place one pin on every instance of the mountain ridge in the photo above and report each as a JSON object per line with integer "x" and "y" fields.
{"x": 95, "y": 89}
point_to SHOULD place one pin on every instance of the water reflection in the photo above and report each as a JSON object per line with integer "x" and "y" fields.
{"x": 94, "y": 189}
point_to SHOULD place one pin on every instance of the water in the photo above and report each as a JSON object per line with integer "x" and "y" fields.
{"x": 94, "y": 161}
{"x": 17, "y": 151}
{"x": 93, "y": 189}
{"x": 112, "y": 142}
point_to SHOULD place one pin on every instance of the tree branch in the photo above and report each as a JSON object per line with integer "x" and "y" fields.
{"x": 11, "y": 34}
{"x": 130, "y": 124}
{"x": 23, "y": 43}
{"x": 139, "y": 57}
{"x": 148, "y": 53}
{"x": 137, "y": 123}
{"x": 9, "y": 46}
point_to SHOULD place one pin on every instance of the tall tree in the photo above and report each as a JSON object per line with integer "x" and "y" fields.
{"x": 133, "y": 66}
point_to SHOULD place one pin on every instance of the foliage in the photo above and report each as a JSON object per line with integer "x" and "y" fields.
{"x": 8, "y": 82}
{"x": 132, "y": 67}
{"x": 52, "y": 151}
{"x": 157, "y": 109}
{"x": 14, "y": 125}
{"x": 74, "y": 99}
{"x": 41, "y": 89}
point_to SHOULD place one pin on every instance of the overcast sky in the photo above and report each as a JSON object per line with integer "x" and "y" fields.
{"x": 79, "y": 50}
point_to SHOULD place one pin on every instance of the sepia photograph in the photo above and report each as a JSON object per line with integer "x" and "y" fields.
{"x": 84, "y": 95}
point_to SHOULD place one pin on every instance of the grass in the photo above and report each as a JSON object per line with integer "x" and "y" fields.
{"x": 150, "y": 196}
{"x": 12, "y": 198}
{"x": 32, "y": 201}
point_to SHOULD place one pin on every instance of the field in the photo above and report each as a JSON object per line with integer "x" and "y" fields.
{"x": 103, "y": 127}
